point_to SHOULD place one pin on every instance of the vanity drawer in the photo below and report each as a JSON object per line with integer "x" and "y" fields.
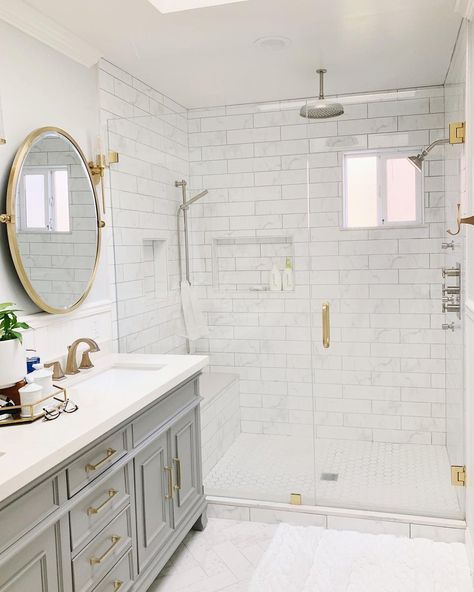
{"x": 97, "y": 558}
{"x": 120, "y": 577}
{"x": 95, "y": 461}
{"x": 99, "y": 507}
{"x": 25, "y": 512}
{"x": 164, "y": 410}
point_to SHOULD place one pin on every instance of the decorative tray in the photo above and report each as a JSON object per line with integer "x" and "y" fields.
{"x": 30, "y": 409}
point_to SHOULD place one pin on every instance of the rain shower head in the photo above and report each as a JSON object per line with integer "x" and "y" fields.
{"x": 321, "y": 109}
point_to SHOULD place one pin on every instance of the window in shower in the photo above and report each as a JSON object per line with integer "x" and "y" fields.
{"x": 381, "y": 189}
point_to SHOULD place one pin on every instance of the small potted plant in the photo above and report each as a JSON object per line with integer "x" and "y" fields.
{"x": 12, "y": 352}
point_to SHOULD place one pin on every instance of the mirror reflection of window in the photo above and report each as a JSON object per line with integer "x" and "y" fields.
{"x": 35, "y": 201}
{"x": 44, "y": 200}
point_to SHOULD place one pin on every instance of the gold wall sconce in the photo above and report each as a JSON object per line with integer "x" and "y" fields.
{"x": 460, "y": 220}
{"x": 98, "y": 167}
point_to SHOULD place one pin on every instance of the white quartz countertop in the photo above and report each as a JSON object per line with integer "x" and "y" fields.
{"x": 28, "y": 451}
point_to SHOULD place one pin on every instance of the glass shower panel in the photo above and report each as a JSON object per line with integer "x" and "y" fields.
{"x": 379, "y": 389}
{"x": 153, "y": 153}
{"x": 455, "y": 192}
{"x": 255, "y": 219}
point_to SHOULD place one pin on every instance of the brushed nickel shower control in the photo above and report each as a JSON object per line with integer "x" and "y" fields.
{"x": 449, "y": 245}
{"x": 451, "y": 299}
{"x": 447, "y": 327}
{"x": 452, "y": 271}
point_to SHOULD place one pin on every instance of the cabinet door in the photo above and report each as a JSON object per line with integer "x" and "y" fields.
{"x": 153, "y": 482}
{"x": 35, "y": 567}
{"x": 186, "y": 450}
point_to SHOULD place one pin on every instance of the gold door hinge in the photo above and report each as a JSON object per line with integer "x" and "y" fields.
{"x": 458, "y": 476}
{"x": 456, "y": 132}
{"x": 295, "y": 499}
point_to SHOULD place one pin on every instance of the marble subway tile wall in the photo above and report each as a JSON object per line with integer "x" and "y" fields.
{"x": 149, "y": 131}
{"x": 272, "y": 174}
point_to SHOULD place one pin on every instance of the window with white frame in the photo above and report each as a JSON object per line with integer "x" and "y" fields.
{"x": 44, "y": 200}
{"x": 381, "y": 189}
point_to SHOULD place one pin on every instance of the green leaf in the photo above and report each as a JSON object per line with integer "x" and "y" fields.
{"x": 9, "y": 323}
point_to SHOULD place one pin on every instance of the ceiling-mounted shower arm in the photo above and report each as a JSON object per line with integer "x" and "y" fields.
{"x": 321, "y": 72}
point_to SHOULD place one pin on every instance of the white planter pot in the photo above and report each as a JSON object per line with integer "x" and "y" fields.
{"x": 12, "y": 362}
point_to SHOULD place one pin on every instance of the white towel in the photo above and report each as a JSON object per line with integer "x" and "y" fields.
{"x": 194, "y": 320}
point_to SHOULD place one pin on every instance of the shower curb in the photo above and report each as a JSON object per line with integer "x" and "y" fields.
{"x": 447, "y": 530}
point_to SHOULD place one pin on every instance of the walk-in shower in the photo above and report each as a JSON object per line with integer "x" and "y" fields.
{"x": 372, "y": 423}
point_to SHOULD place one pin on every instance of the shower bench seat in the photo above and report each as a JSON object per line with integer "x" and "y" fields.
{"x": 220, "y": 416}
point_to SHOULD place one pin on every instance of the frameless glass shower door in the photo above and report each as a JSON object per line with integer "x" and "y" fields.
{"x": 379, "y": 389}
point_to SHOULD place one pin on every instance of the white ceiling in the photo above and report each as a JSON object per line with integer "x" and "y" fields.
{"x": 206, "y": 57}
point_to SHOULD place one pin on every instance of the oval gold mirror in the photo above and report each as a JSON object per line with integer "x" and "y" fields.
{"x": 54, "y": 222}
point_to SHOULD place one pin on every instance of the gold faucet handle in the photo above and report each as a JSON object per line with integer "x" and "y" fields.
{"x": 86, "y": 361}
{"x": 58, "y": 373}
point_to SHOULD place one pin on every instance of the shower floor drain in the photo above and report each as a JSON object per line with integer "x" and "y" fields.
{"x": 329, "y": 476}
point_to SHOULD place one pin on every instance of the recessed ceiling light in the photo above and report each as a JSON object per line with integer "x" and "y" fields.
{"x": 272, "y": 43}
{"x": 166, "y": 6}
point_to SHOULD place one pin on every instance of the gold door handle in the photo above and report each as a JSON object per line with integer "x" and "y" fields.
{"x": 117, "y": 585}
{"x": 98, "y": 560}
{"x": 169, "y": 470}
{"x": 110, "y": 452}
{"x": 177, "y": 462}
{"x": 326, "y": 326}
{"x": 111, "y": 494}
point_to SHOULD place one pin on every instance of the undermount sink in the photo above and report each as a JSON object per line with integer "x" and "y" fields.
{"x": 119, "y": 377}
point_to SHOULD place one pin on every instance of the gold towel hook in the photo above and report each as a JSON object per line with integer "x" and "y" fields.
{"x": 468, "y": 220}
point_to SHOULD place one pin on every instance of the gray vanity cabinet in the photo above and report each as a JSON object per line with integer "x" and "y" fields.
{"x": 154, "y": 492}
{"x": 186, "y": 462}
{"x": 36, "y": 569}
{"x": 111, "y": 516}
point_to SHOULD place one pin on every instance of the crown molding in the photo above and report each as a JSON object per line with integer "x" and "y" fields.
{"x": 36, "y": 24}
{"x": 465, "y": 8}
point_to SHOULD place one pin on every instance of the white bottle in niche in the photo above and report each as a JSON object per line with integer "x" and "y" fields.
{"x": 275, "y": 279}
{"x": 288, "y": 280}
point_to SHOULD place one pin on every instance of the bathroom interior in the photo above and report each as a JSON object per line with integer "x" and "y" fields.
{"x": 280, "y": 218}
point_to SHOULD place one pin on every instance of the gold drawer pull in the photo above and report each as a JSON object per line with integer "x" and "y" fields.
{"x": 89, "y": 467}
{"x": 326, "y": 326}
{"x": 97, "y": 560}
{"x": 178, "y": 473}
{"x": 117, "y": 585}
{"x": 111, "y": 494}
{"x": 169, "y": 470}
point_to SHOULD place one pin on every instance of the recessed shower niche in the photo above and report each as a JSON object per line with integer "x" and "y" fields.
{"x": 155, "y": 267}
{"x": 244, "y": 264}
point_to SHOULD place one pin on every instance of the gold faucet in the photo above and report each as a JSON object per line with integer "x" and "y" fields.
{"x": 71, "y": 363}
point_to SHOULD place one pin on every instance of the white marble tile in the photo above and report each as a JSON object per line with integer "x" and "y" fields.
{"x": 369, "y": 526}
{"x": 438, "y": 533}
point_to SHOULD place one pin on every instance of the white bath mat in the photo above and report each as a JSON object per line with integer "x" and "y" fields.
{"x": 310, "y": 559}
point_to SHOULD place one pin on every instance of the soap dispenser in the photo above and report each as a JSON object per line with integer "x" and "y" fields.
{"x": 275, "y": 279}
{"x": 288, "y": 277}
